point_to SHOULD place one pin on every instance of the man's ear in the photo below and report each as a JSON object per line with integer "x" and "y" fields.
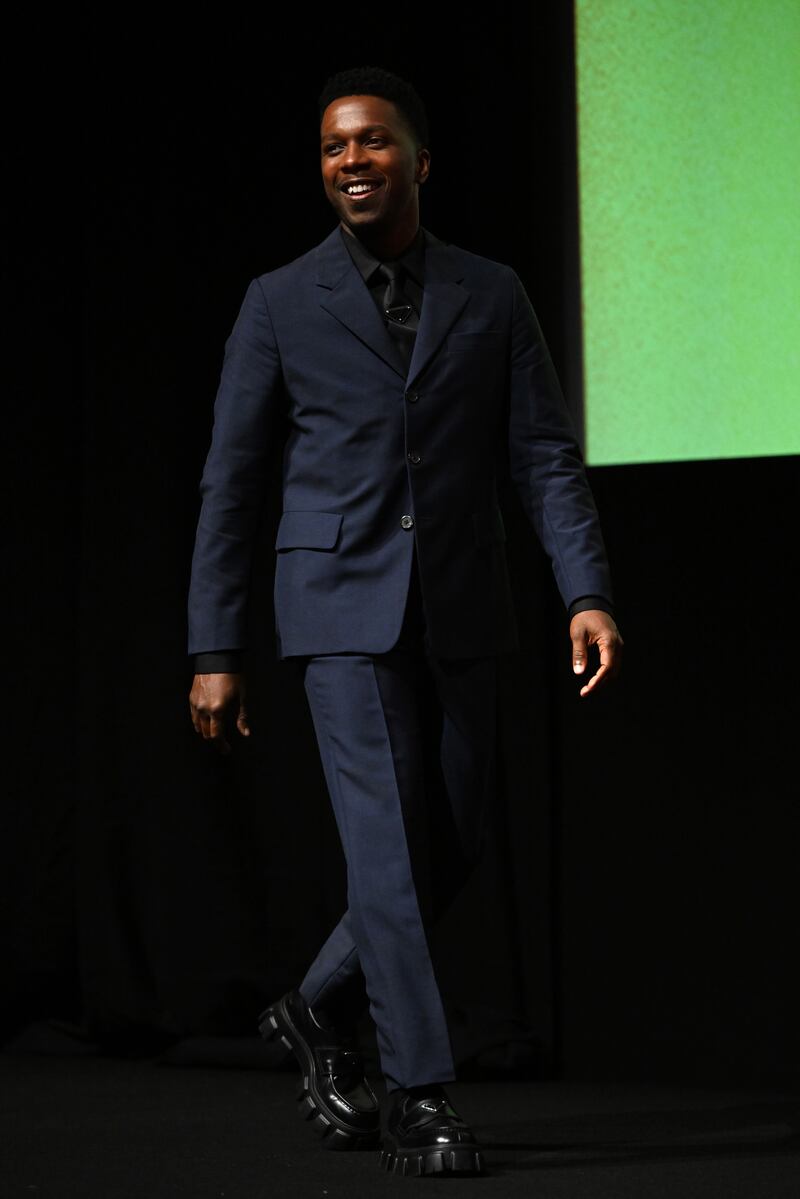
{"x": 423, "y": 166}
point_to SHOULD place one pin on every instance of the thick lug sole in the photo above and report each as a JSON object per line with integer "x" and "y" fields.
{"x": 413, "y": 1163}
{"x": 334, "y": 1134}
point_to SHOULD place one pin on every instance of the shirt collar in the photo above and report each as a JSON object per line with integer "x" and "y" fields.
{"x": 412, "y": 258}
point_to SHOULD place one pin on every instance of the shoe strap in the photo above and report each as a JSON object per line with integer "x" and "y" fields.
{"x": 342, "y": 1062}
{"x": 434, "y": 1110}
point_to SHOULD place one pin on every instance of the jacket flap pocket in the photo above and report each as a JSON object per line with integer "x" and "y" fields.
{"x": 308, "y": 530}
{"x": 488, "y": 525}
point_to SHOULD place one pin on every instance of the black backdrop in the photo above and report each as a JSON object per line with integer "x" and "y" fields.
{"x": 636, "y": 914}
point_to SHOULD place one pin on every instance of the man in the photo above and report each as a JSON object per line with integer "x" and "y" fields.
{"x": 411, "y": 373}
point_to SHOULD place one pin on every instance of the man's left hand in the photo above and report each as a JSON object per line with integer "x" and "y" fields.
{"x": 595, "y": 627}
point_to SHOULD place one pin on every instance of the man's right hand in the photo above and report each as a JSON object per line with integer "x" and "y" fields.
{"x": 212, "y": 700}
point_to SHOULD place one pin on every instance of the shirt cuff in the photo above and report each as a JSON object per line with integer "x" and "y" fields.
{"x": 585, "y": 602}
{"x": 222, "y": 661}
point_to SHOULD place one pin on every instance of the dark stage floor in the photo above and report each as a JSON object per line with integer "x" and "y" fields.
{"x": 88, "y": 1126}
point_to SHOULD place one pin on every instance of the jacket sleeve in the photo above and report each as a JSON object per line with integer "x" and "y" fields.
{"x": 546, "y": 463}
{"x": 233, "y": 482}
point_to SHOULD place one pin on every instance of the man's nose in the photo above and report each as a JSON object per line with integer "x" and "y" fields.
{"x": 354, "y": 156}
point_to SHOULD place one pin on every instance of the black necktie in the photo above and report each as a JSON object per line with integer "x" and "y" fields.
{"x": 401, "y": 319}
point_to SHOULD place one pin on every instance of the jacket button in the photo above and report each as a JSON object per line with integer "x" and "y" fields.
{"x": 412, "y": 397}
{"x": 414, "y": 457}
{"x": 407, "y": 522}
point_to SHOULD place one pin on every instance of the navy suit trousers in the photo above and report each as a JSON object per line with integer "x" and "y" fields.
{"x": 407, "y": 743}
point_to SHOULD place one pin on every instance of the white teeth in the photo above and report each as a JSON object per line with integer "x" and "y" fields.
{"x": 357, "y": 189}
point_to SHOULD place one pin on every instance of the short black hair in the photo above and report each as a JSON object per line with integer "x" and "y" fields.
{"x": 375, "y": 81}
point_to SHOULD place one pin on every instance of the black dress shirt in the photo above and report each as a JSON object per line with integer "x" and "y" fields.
{"x": 229, "y": 661}
{"x": 412, "y": 258}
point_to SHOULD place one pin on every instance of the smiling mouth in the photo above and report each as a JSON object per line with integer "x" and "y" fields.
{"x": 357, "y": 188}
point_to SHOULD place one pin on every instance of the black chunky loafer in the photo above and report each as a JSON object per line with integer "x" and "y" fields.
{"x": 334, "y": 1096}
{"x": 426, "y": 1135}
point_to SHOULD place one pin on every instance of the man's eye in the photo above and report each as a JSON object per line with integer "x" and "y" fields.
{"x": 373, "y": 140}
{"x": 331, "y": 148}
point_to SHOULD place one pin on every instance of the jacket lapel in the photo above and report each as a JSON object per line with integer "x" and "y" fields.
{"x": 443, "y": 302}
{"x": 344, "y": 294}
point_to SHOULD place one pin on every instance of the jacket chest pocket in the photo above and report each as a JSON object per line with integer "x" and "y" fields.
{"x": 486, "y": 341}
{"x": 308, "y": 530}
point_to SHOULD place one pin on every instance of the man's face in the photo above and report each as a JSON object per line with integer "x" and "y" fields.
{"x": 371, "y": 167}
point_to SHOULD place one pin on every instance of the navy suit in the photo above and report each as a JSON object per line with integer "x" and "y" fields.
{"x": 391, "y": 581}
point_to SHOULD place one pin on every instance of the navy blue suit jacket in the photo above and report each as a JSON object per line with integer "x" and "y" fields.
{"x": 374, "y": 460}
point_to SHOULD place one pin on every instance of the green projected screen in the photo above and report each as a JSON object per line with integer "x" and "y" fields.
{"x": 689, "y": 178}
